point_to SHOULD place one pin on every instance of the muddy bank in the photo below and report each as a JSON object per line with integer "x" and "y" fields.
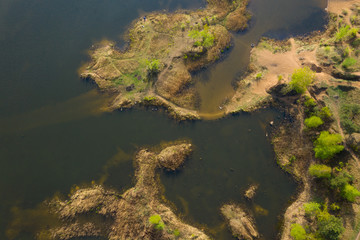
{"x": 333, "y": 56}
{"x": 241, "y": 223}
{"x": 138, "y": 213}
{"x": 164, "y": 49}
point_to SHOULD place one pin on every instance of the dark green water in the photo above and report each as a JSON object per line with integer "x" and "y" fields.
{"x": 52, "y": 136}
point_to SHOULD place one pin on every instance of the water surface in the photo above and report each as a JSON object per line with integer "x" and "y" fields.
{"x": 53, "y": 135}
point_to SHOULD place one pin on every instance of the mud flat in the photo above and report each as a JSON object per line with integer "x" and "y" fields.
{"x": 138, "y": 213}
{"x": 163, "y": 50}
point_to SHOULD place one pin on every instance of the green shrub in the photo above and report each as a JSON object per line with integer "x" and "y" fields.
{"x": 301, "y": 79}
{"x": 325, "y": 113}
{"x": 153, "y": 66}
{"x": 176, "y": 233}
{"x": 341, "y": 180}
{"x": 156, "y": 222}
{"x": 203, "y": 38}
{"x": 320, "y": 171}
{"x": 330, "y": 227}
{"x": 312, "y": 208}
{"x": 350, "y": 193}
{"x": 258, "y": 76}
{"x": 298, "y": 232}
{"x": 345, "y": 33}
{"x": 350, "y": 126}
{"x": 327, "y": 145}
{"x": 347, "y": 115}
{"x": 313, "y": 122}
{"x": 334, "y": 207}
{"x": 310, "y": 103}
{"x": 327, "y": 226}
{"x": 348, "y": 62}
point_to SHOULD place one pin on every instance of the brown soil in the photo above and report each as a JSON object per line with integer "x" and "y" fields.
{"x": 270, "y": 71}
{"x": 162, "y": 55}
{"x": 289, "y": 143}
{"x": 241, "y": 223}
{"x": 251, "y": 191}
{"x": 96, "y": 211}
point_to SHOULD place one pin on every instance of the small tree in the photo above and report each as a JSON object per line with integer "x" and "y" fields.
{"x": 325, "y": 113}
{"x": 312, "y": 208}
{"x": 301, "y": 79}
{"x": 153, "y": 66}
{"x": 203, "y": 38}
{"x": 320, "y": 171}
{"x": 330, "y": 227}
{"x": 327, "y": 145}
{"x": 313, "y": 122}
{"x": 350, "y": 193}
{"x": 298, "y": 232}
{"x": 341, "y": 180}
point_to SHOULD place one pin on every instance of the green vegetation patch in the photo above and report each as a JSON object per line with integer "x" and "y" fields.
{"x": 301, "y": 79}
{"x": 327, "y": 145}
{"x": 298, "y": 232}
{"x": 349, "y": 107}
{"x": 203, "y": 38}
{"x": 345, "y": 33}
{"x": 156, "y": 222}
{"x": 153, "y": 66}
{"x": 323, "y": 225}
{"x": 274, "y": 46}
{"x": 350, "y": 193}
{"x": 320, "y": 171}
{"x": 313, "y": 122}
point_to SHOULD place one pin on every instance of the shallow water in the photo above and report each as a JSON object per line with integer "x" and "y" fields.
{"x": 53, "y": 134}
{"x": 278, "y": 19}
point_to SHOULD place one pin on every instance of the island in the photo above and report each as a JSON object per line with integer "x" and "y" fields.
{"x": 164, "y": 49}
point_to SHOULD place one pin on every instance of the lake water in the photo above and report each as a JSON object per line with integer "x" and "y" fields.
{"x": 53, "y": 135}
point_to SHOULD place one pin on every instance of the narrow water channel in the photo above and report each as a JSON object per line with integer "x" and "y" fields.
{"x": 52, "y": 135}
{"x": 278, "y": 19}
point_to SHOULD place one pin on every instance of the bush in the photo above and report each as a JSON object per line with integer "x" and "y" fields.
{"x": 341, "y": 180}
{"x": 350, "y": 193}
{"x": 350, "y": 126}
{"x": 313, "y": 122}
{"x": 153, "y": 66}
{"x": 348, "y": 62}
{"x": 327, "y": 145}
{"x": 203, "y": 38}
{"x": 348, "y": 113}
{"x": 310, "y": 105}
{"x": 312, "y": 208}
{"x": 298, "y": 232}
{"x": 156, "y": 221}
{"x": 176, "y": 233}
{"x": 345, "y": 33}
{"x": 330, "y": 227}
{"x": 325, "y": 113}
{"x": 320, "y": 171}
{"x": 301, "y": 79}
